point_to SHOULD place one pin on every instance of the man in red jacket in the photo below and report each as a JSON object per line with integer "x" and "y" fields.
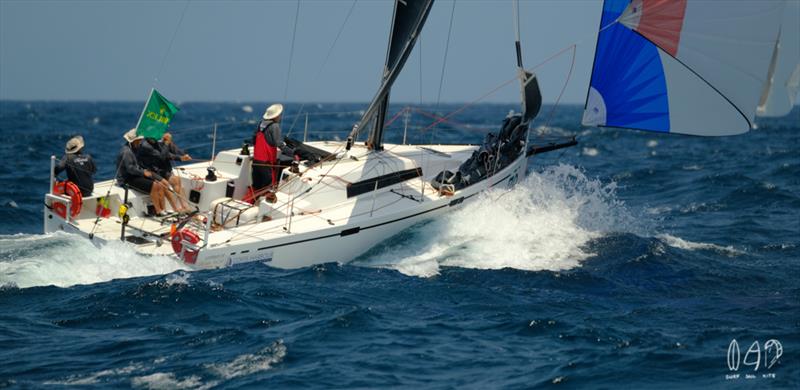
{"x": 267, "y": 140}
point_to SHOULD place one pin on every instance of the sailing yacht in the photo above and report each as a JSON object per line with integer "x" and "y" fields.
{"x": 339, "y": 201}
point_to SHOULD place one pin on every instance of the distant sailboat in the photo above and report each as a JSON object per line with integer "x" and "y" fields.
{"x": 783, "y": 82}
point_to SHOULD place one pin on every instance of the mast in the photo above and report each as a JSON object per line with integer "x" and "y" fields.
{"x": 407, "y": 21}
{"x": 531, "y": 96}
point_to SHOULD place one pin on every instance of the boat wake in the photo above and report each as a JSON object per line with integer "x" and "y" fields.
{"x": 65, "y": 260}
{"x": 543, "y": 223}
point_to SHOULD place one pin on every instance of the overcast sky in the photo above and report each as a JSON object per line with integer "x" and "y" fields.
{"x": 239, "y": 50}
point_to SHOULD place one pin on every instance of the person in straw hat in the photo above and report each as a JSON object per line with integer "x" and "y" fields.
{"x": 267, "y": 140}
{"x": 130, "y": 173}
{"x": 79, "y": 166}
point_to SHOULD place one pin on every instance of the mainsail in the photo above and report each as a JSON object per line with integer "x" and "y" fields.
{"x": 783, "y": 82}
{"x": 409, "y": 17}
{"x": 681, "y": 66}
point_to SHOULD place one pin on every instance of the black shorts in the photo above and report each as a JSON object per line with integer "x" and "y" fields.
{"x": 140, "y": 183}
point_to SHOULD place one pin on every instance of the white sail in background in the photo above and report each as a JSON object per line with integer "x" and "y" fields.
{"x": 780, "y": 91}
{"x": 682, "y": 66}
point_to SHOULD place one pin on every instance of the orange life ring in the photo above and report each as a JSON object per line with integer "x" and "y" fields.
{"x": 71, "y": 190}
{"x": 189, "y": 256}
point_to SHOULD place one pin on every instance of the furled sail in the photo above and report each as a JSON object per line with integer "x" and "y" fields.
{"x": 681, "y": 66}
{"x": 409, "y": 17}
{"x": 783, "y": 82}
{"x": 531, "y": 97}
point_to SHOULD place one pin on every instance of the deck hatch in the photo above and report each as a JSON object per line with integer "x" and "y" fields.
{"x": 364, "y": 186}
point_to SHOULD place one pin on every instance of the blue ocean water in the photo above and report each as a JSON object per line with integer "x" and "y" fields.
{"x": 634, "y": 259}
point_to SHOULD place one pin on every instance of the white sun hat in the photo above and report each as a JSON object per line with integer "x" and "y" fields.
{"x": 131, "y": 136}
{"x": 74, "y": 145}
{"x": 273, "y": 111}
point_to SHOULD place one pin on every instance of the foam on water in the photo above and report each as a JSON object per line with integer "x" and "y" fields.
{"x": 677, "y": 242}
{"x": 168, "y": 380}
{"x": 544, "y": 223}
{"x": 250, "y": 363}
{"x": 94, "y": 378}
{"x": 591, "y": 152}
{"x": 150, "y": 376}
{"x": 65, "y": 260}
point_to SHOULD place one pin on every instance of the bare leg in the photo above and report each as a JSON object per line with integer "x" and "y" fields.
{"x": 175, "y": 181}
{"x": 171, "y": 199}
{"x": 166, "y": 193}
{"x": 155, "y": 197}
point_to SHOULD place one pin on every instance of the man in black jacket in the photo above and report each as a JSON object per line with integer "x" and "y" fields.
{"x": 130, "y": 173}
{"x": 80, "y": 167}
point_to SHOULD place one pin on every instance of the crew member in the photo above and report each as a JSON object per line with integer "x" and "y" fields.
{"x": 171, "y": 152}
{"x": 176, "y": 152}
{"x": 79, "y": 166}
{"x": 130, "y": 173}
{"x": 267, "y": 140}
{"x": 153, "y": 156}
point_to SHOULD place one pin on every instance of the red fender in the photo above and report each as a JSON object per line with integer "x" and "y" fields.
{"x": 71, "y": 190}
{"x": 189, "y": 256}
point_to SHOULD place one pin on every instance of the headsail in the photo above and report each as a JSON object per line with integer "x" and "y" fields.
{"x": 681, "y": 66}
{"x": 409, "y": 17}
{"x": 783, "y": 82}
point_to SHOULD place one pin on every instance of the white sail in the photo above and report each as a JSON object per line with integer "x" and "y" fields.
{"x": 780, "y": 90}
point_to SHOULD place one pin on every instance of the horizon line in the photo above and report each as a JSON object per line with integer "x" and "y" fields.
{"x": 4, "y": 100}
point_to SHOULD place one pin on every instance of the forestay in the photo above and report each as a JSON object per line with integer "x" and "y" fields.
{"x": 782, "y": 84}
{"x": 681, "y": 66}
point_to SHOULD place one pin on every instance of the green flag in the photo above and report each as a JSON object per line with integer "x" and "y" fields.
{"x": 156, "y": 116}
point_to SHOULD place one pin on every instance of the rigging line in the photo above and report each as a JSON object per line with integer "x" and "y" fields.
{"x": 564, "y": 87}
{"x": 397, "y": 115}
{"x": 325, "y": 61}
{"x": 291, "y": 51}
{"x": 444, "y": 61}
{"x": 174, "y": 131}
{"x": 515, "y": 8}
{"x": 171, "y": 41}
{"x": 419, "y": 45}
{"x": 108, "y": 193}
{"x": 481, "y": 128}
{"x": 499, "y": 87}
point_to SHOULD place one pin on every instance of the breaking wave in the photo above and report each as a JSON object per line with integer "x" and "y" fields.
{"x": 64, "y": 260}
{"x": 543, "y": 223}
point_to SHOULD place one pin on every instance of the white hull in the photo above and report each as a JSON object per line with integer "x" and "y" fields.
{"x": 313, "y": 220}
